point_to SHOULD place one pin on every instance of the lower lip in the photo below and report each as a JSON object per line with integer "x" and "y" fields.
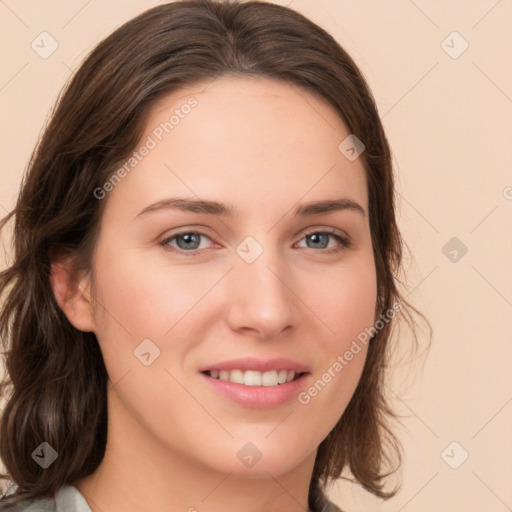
{"x": 258, "y": 397}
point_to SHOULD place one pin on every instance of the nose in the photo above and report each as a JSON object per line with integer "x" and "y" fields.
{"x": 261, "y": 299}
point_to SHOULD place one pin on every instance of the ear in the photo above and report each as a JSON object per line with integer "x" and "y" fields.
{"x": 72, "y": 291}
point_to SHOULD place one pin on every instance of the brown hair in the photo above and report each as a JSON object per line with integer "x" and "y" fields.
{"x": 56, "y": 373}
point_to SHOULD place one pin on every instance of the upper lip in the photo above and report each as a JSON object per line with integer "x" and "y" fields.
{"x": 254, "y": 363}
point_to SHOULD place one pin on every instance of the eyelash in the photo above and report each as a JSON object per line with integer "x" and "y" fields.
{"x": 345, "y": 243}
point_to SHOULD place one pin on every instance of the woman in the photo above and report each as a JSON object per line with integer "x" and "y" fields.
{"x": 199, "y": 310}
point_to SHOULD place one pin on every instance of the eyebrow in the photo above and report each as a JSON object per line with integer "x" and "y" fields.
{"x": 222, "y": 209}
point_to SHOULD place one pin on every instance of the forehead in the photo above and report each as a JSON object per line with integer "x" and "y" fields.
{"x": 245, "y": 140}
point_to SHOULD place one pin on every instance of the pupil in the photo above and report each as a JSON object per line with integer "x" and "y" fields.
{"x": 315, "y": 238}
{"x": 189, "y": 237}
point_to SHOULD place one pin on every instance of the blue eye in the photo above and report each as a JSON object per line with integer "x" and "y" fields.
{"x": 189, "y": 242}
{"x": 322, "y": 238}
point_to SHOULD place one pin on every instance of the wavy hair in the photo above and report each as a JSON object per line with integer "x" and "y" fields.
{"x": 55, "y": 384}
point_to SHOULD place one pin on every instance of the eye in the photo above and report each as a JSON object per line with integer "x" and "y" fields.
{"x": 320, "y": 240}
{"x": 189, "y": 242}
{"x": 186, "y": 241}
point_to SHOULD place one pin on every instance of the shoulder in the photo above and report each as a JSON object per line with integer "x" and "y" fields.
{"x": 331, "y": 507}
{"x": 30, "y": 505}
{"x": 67, "y": 499}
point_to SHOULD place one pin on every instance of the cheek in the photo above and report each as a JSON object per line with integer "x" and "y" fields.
{"x": 344, "y": 300}
{"x": 137, "y": 301}
{"x": 355, "y": 304}
{"x": 345, "y": 307}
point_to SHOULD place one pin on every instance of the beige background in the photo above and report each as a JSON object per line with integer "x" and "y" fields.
{"x": 449, "y": 124}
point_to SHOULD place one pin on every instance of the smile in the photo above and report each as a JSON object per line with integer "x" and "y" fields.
{"x": 254, "y": 377}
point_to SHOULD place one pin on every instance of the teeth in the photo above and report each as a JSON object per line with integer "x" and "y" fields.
{"x": 235, "y": 376}
{"x": 253, "y": 377}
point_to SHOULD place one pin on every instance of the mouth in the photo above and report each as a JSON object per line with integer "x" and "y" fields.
{"x": 255, "y": 389}
{"x": 254, "y": 378}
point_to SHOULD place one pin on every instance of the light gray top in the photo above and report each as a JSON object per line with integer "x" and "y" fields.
{"x": 69, "y": 499}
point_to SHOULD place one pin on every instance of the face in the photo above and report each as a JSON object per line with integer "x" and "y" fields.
{"x": 183, "y": 289}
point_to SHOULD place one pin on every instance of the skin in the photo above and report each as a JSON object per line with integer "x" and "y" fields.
{"x": 262, "y": 146}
